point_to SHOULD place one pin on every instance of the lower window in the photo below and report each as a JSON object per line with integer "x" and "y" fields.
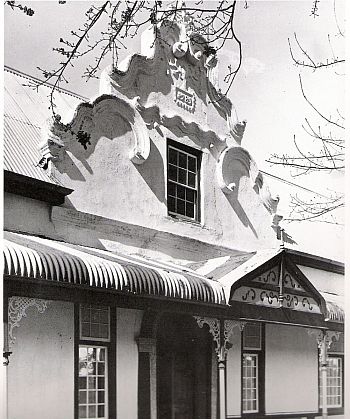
{"x": 250, "y": 400}
{"x": 95, "y": 362}
{"x": 93, "y": 384}
{"x": 253, "y": 361}
{"x": 334, "y": 382}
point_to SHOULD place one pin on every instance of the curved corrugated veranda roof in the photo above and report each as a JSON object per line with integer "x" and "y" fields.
{"x": 33, "y": 257}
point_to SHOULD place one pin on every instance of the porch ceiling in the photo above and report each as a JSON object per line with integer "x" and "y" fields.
{"x": 33, "y": 257}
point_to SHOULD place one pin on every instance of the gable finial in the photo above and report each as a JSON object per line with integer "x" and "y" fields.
{"x": 281, "y": 238}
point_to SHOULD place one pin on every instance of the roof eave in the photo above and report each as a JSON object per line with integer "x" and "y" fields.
{"x": 35, "y": 189}
{"x": 317, "y": 262}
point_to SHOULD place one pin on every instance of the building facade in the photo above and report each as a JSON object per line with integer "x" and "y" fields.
{"x": 143, "y": 277}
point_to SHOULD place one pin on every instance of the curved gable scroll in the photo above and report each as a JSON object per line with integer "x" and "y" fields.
{"x": 227, "y": 176}
{"x": 128, "y": 110}
{"x": 89, "y": 115}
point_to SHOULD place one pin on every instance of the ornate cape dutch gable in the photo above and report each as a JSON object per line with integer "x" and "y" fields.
{"x": 171, "y": 84}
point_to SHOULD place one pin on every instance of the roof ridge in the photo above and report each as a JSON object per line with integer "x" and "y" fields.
{"x": 44, "y": 83}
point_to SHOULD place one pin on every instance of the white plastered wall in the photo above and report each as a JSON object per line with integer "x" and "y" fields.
{"x": 233, "y": 374}
{"x": 128, "y": 329}
{"x": 41, "y": 369}
{"x": 291, "y": 370}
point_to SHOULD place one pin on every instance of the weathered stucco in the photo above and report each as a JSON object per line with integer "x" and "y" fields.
{"x": 27, "y": 215}
{"x": 291, "y": 359}
{"x": 128, "y": 329}
{"x": 233, "y": 375}
{"x": 113, "y": 154}
{"x": 41, "y": 370}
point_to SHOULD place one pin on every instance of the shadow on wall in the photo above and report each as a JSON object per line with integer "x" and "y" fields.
{"x": 233, "y": 200}
{"x": 152, "y": 171}
{"x": 112, "y": 126}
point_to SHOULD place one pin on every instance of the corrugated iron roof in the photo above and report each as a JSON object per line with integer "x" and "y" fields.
{"x": 28, "y": 256}
{"x": 25, "y": 111}
{"x": 335, "y": 307}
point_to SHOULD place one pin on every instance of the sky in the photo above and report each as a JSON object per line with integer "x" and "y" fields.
{"x": 266, "y": 91}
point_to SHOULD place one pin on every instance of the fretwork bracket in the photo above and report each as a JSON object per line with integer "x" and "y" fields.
{"x": 17, "y": 307}
{"x": 324, "y": 341}
{"x": 221, "y": 332}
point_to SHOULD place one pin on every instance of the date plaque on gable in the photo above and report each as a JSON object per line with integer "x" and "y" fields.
{"x": 185, "y": 100}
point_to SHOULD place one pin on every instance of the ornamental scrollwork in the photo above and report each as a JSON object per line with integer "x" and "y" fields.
{"x": 221, "y": 342}
{"x": 288, "y": 281}
{"x": 214, "y": 329}
{"x": 17, "y": 307}
{"x": 305, "y": 301}
{"x": 269, "y": 296}
{"x": 229, "y": 326}
{"x": 246, "y": 296}
{"x": 290, "y": 299}
{"x": 270, "y": 278}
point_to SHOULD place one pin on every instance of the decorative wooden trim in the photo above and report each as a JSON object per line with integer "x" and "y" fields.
{"x": 29, "y": 187}
{"x": 317, "y": 262}
{"x": 221, "y": 330}
{"x": 17, "y": 307}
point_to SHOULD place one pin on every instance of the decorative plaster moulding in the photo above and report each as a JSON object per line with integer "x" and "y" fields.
{"x": 180, "y": 53}
{"x": 57, "y": 136}
{"x": 225, "y": 176}
{"x": 17, "y": 309}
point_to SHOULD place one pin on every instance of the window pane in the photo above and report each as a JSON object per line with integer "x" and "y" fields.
{"x": 182, "y": 176}
{"x": 103, "y": 332}
{"x": 92, "y": 397}
{"x": 82, "y": 382}
{"x": 192, "y": 164}
{"x": 82, "y": 412}
{"x": 82, "y": 397}
{"x": 171, "y": 189}
{"x": 189, "y": 210}
{"x": 92, "y": 411}
{"x": 172, "y": 156}
{"x": 191, "y": 180}
{"x": 181, "y": 192}
{"x": 101, "y": 397}
{"x": 101, "y": 411}
{"x": 171, "y": 204}
{"x": 172, "y": 172}
{"x": 180, "y": 207}
{"x": 183, "y": 160}
{"x": 190, "y": 195}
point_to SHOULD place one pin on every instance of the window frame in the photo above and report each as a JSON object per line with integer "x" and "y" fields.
{"x": 110, "y": 358}
{"x": 260, "y": 354}
{"x": 333, "y": 410}
{"x": 197, "y": 154}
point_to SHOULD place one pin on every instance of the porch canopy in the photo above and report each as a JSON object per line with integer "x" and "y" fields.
{"x": 246, "y": 289}
{"x": 32, "y": 257}
{"x": 270, "y": 286}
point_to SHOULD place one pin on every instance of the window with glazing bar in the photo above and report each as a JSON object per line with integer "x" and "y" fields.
{"x": 94, "y": 353}
{"x": 252, "y": 369}
{"x": 335, "y": 375}
{"x": 183, "y": 181}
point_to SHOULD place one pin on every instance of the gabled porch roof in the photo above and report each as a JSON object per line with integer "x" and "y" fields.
{"x": 52, "y": 261}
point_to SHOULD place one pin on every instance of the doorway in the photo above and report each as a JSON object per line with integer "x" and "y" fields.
{"x": 183, "y": 368}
